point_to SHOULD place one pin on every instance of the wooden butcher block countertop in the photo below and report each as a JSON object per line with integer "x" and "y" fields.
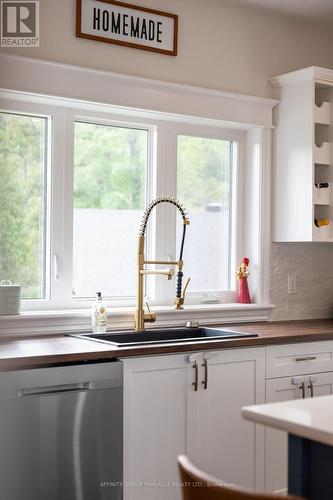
{"x": 42, "y": 351}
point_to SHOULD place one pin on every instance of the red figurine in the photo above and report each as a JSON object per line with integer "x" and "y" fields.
{"x": 243, "y": 288}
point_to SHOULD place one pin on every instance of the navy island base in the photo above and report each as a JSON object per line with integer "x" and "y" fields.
{"x": 310, "y": 469}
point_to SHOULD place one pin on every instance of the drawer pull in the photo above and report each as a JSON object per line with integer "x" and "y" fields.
{"x": 306, "y": 358}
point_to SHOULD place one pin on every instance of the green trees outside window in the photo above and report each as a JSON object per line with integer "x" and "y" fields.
{"x": 23, "y": 147}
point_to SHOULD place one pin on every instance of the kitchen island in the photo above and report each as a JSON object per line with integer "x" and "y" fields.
{"x": 309, "y": 423}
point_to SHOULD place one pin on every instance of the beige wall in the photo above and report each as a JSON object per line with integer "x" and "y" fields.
{"x": 221, "y": 45}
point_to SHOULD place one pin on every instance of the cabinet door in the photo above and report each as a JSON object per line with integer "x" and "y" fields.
{"x": 155, "y": 395}
{"x": 284, "y": 389}
{"x": 220, "y": 441}
{"x": 281, "y": 389}
{"x": 320, "y": 384}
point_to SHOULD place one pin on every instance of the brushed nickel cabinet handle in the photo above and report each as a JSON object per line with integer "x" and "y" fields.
{"x": 310, "y": 386}
{"x": 205, "y": 366}
{"x": 302, "y": 386}
{"x": 196, "y": 375}
{"x": 306, "y": 358}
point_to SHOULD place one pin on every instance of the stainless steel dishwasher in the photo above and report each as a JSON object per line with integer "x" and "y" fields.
{"x": 61, "y": 433}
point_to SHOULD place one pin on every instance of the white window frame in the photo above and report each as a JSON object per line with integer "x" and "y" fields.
{"x": 161, "y": 179}
{"x": 116, "y": 121}
{"x": 166, "y": 236}
{"x": 29, "y": 109}
{"x": 157, "y": 104}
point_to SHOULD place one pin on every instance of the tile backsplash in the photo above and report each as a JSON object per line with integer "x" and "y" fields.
{"x": 312, "y": 266}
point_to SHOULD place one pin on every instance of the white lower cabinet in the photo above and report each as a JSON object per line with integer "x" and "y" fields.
{"x": 155, "y": 420}
{"x": 280, "y": 389}
{"x": 192, "y": 404}
{"x": 219, "y": 439}
{"x": 284, "y": 389}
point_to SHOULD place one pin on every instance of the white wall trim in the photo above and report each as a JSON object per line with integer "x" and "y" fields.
{"x": 41, "y": 77}
{"x": 57, "y": 322}
{"x": 257, "y": 211}
{"x": 146, "y": 82}
{"x": 265, "y": 210}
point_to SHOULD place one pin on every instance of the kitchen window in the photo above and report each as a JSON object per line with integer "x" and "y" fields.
{"x": 110, "y": 179}
{"x": 24, "y": 174}
{"x": 206, "y": 176}
{"x": 83, "y": 178}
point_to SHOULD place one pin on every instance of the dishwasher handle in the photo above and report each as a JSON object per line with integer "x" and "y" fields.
{"x": 55, "y": 389}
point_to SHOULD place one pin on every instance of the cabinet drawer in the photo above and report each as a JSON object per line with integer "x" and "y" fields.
{"x": 296, "y": 359}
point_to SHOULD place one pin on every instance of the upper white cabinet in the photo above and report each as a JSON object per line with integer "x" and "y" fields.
{"x": 303, "y": 159}
{"x": 191, "y": 404}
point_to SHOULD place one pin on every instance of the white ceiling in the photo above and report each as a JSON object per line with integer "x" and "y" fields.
{"x": 320, "y": 10}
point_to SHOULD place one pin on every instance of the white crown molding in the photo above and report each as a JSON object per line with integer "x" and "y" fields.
{"x": 323, "y": 75}
{"x": 42, "y": 77}
{"x": 292, "y": 77}
{"x": 58, "y": 322}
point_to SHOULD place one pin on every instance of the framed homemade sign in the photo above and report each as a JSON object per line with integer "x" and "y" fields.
{"x": 126, "y": 24}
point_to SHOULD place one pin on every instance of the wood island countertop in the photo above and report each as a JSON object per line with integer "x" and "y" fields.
{"x": 41, "y": 351}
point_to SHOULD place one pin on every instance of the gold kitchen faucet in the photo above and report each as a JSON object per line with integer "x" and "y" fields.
{"x": 142, "y": 317}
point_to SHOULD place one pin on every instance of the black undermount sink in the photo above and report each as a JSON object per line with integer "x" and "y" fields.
{"x": 162, "y": 336}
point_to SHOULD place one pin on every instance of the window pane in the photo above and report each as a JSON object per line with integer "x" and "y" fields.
{"x": 22, "y": 202}
{"x": 110, "y": 167}
{"x": 204, "y": 187}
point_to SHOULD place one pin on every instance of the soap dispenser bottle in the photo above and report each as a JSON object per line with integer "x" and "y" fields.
{"x": 98, "y": 315}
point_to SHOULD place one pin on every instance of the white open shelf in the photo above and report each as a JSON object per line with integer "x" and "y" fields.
{"x": 322, "y": 212}
{"x": 304, "y": 156}
{"x": 322, "y": 233}
{"x": 322, "y": 196}
{"x": 322, "y": 113}
{"x": 321, "y": 153}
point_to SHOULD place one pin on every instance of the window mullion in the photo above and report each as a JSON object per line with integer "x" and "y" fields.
{"x": 165, "y": 216}
{"x": 62, "y": 209}
{"x": 237, "y": 250}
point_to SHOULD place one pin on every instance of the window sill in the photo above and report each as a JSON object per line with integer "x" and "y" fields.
{"x": 68, "y": 321}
